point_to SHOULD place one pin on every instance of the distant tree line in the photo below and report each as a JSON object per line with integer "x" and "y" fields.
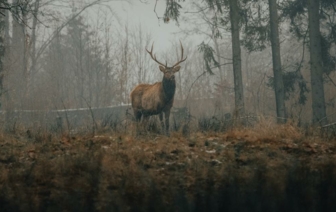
{"x": 53, "y": 59}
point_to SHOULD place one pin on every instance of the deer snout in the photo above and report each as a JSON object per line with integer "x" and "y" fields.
{"x": 172, "y": 77}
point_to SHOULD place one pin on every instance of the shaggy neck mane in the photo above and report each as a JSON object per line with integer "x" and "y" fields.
{"x": 168, "y": 88}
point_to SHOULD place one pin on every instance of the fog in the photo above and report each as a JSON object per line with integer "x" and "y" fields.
{"x": 167, "y": 105}
{"x": 91, "y": 54}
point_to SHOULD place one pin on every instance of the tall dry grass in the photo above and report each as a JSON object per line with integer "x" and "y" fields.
{"x": 266, "y": 167}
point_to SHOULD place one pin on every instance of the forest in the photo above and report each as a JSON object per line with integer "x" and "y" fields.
{"x": 253, "y": 120}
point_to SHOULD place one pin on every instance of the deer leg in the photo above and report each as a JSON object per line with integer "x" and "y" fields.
{"x": 137, "y": 115}
{"x": 167, "y": 113}
{"x": 161, "y": 121}
{"x": 145, "y": 119}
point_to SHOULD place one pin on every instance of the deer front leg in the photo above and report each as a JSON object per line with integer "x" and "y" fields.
{"x": 137, "y": 115}
{"x": 167, "y": 113}
{"x": 161, "y": 121}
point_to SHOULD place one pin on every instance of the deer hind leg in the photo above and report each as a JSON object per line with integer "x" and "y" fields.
{"x": 145, "y": 122}
{"x": 137, "y": 115}
{"x": 167, "y": 114}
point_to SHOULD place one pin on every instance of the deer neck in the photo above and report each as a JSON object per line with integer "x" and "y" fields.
{"x": 168, "y": 88}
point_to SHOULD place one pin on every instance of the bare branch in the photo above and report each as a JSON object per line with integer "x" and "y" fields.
{"x": 59, "y": 29}
{"x": 156, "y": 12}
{"x": 199, "y": 11}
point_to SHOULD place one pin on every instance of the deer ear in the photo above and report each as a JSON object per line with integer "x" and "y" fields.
{"x": 176, "y": 69}
{"x": 163, "y": 69}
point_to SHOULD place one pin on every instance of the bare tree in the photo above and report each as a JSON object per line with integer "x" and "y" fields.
{"x": 139, "y": 40}
{"x": 277, "y": 69}
{"x": 236, "y": 58}
{"x": 2, "y": 44}
{"x": 316, "y": 69}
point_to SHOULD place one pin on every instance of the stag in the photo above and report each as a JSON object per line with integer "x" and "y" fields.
{"x": 157, "y": 98}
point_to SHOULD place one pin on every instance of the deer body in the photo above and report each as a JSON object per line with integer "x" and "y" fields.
{"x": 152, "y": 99}
{"x": 158, "y": 98}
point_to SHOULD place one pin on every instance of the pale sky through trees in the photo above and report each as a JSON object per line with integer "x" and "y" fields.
{"x": 142, "y": 13}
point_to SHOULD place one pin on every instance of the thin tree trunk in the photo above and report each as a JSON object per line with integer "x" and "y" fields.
{"x": 125, "y": 69}
{"x": 81, "y": 92}
{"x": 316, "y": 68}
{"x": 33, "y": 41}
{"x": 236, "y": 57}
{"x": 2, "y": 50}
{"x": 277, "y": 70}
{"x": 26, "y": 49}
{"x": 17, "y": 89}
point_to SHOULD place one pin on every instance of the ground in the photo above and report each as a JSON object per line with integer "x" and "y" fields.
{"x": 267, "y": 167}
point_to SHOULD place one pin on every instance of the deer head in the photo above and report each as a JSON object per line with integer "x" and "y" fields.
{"x": 168, "y": 72}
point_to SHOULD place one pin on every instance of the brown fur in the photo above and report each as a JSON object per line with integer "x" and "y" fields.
{"x": 150, "y": 99}
{"x": 157, "y": 98}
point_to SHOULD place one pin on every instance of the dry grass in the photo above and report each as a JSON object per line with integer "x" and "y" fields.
{"x": 263, "y": 168}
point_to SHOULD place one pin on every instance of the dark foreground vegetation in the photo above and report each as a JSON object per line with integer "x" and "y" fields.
{"x": 262, "y": 168}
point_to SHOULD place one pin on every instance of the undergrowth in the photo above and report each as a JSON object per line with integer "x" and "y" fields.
{"x": 266, "y": 167}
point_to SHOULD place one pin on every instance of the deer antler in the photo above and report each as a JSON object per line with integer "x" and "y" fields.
{"x": 154, "y": 57}
{"x": 181, "y": 60}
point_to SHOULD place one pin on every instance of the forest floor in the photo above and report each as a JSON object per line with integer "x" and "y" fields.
{"x": 262, "y": 168}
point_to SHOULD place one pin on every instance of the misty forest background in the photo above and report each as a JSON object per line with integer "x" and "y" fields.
{"x": 256, "y": 57}
{"x": 247, "y": 59}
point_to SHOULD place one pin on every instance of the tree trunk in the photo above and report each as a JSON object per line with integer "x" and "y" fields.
{"x": 236, "y": 57}
{"x": 26, "y": 48}
{"x": 2, "y": 50}
{"x": 277, "y": 70}
{"x": 17, "y": 77}
{"x": 33, "y": 41}
{"x": 316, "y": 68}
